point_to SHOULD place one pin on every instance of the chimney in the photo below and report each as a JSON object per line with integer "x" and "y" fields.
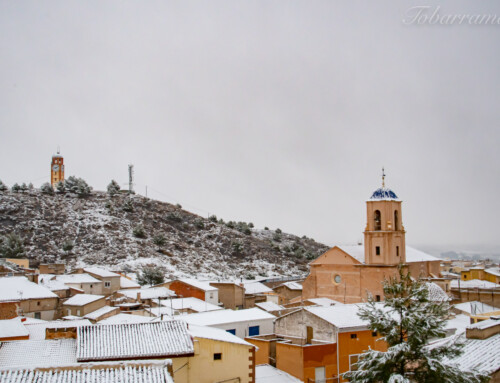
{"x": 138, "y": 296}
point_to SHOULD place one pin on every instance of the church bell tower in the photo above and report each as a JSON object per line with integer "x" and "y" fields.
{"x": 56, "y": 169}
{"x": 384, "y": 233}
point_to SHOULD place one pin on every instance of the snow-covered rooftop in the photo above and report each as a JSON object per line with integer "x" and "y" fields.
{"x": 20, "y": 288}
{"x": 436, "y": 293}
{"x": 137, "y": 340}
{"x": 192, "y": 303}
{"x": 10, "y": 328}
{"x": 293, "y": 285}
{"x": 51, "y": 282}
{"x": 162, "y": 310}
{"x": 412, "y": 254}
{"x": 150, "y": 293}
{"x": 478, "y": 354}
{"x": 493, "y": 271}
{"x": 256, "y": 288}
{"x": 216, "y": 334}
{"x": 94, "y": 315}
{"x": 475, "y": 307}
{"x": 212, "y": 318}
{"x": 264, "y": 373}
{"x": 459, "y": 322}
{"x": 77, "y": 278}
{"x": 344, "y": 317}
{"x": 473, "y": 284}
{"x": 485, "y": 324}
{"x": 37, "y": 330}
{"x": 324, "y": 302}
{"x": 82, "y": 299}
{"x": 149, "y": 371}
{"x": 42, "y": 353}
{"x": 126, "y": 283}
{"x": 269, "y": 306}
{"x": 125, "y": 319}
{"x": 205, "y": 286}
{"x": 100, "y": 272}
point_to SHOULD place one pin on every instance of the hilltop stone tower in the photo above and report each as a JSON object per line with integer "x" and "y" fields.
{"x": 56, "y": 169}
{"x": 384, "y": 233}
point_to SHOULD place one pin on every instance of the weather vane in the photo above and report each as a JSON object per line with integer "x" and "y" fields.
{"x": 383, "y": 177}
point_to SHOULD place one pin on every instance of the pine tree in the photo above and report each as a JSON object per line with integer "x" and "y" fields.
{"x": 24, "y": 187}
{"x": 159, "y": 240}
{"x": 408, "y": 320}
{"x": 47, "y": 188}
{"x": 16, "y": 188}
{"x": 61, "y": 187}
{"x": 11, "y": 246}
{"x": 113, "y": 188}
{"x": 3, "y": 187}
{"x": 67, "y": 246}
{"x": 151, "y": 276}
{"x": 77, "y": 186}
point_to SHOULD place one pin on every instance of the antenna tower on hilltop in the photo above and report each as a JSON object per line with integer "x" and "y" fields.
{"x": 131, "y": 179}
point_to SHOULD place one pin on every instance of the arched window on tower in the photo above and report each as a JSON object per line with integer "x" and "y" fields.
{"x": 378, "y": 220}
{"x": 396, "y": 220}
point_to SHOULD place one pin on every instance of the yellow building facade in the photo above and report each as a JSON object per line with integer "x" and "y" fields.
{"x": 216, "y": 361}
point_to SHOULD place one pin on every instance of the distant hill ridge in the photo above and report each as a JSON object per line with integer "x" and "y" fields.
{"x": 102, "y": 229}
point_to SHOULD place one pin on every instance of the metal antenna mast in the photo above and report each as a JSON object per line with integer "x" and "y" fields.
{"x": 131, "y": 179}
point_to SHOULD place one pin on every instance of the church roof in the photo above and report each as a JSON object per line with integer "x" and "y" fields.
{"x": 384, "y": 194}
{"x": 412, "y": 254}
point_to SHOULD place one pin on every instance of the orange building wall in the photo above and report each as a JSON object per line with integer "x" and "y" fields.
{"x": 363, "y": 342}
{"x": 186, "y": 290}
{"x": 324, "y": 355}
{"x": 289, "y": 358}
{"x": 263, "y": 352}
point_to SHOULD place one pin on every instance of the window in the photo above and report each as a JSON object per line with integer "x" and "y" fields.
{"x": 78, "y": 312}
{"x": 218, "y": 356}
{"x": 465, "y": 276}
{"x": 374, "y": 333}
{"x": 107, "y": 284}
{"x": 396, "y": 220}
{"x": 253, "y": 330}
{"x": 377, "y": 250}
{"x": 353, "y": 359}
{"x": 232, "y": 331}
{"x": 337, "y": 279}
{"x": 38, "y": 315}
{"x": 377, "y": 298}
{"x": 38, "y": 303}
{"x": 397, "y": 251}
{"x": 378, "y": 220}
{"x": 354, "y": 336}
{"x": 90, "y": 286}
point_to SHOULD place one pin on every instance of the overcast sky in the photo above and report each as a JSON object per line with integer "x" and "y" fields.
{"x": 277, "y": 112}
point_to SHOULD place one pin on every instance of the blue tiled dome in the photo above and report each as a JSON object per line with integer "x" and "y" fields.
{"x": 384, "y": 193}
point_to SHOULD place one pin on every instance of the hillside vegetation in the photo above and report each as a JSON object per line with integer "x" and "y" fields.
{"x": 122, "y": 232}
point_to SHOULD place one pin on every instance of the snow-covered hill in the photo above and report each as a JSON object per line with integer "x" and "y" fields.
{"x": 101, "y": 228}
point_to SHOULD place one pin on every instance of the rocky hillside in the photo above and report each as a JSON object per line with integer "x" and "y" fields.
{"x": 118, "y": 232}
